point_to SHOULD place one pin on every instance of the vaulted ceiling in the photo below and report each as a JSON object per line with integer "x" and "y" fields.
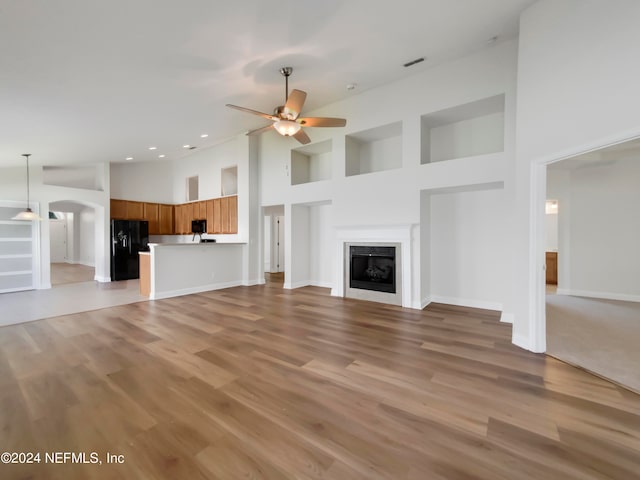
{"x": 89, "y": 81}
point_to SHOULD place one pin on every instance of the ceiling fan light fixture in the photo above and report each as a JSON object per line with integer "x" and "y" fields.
{"x": 287, "y": 128}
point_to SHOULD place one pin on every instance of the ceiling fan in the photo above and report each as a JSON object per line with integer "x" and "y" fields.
{"x": 286, "y": 118}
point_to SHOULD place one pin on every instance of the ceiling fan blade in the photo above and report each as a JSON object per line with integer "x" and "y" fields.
{"x": 294, "y": 104}
{"x": 253, "y": 112}
{"x": 322, "y": 122}
{"x": 302, "y": 137}
{"x": 258, "y": 131}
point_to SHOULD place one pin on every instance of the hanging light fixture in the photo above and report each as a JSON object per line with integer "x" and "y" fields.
{"x": 287, "y": 128}
{"x": 27, "y": 214}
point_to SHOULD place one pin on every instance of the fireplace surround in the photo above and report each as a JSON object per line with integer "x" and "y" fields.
{"x": 399, "y": 235}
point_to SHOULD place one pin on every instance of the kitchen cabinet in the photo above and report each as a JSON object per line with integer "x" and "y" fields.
{"x": 229, "y": 214}
{"x": 152, "y": 215}
{"x": 201, "y": 214}
{"x": 216, "y": 224}
{"x": 552, "y": 268}
{"x": 119, "y": 209}
{"x": 135, "y": 211}
{"x": 165, "y": 220}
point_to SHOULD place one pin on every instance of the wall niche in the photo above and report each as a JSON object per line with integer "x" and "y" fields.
{"x": 311, "y": 163}
{"x": 374, "y": 150}
{"x": 470, "y": 129}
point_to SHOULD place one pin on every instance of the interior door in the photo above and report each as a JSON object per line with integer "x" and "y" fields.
{"x": 279, "y": 245}
{"x": 58, "y": 240}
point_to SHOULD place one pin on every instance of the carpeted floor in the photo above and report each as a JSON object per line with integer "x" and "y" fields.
{"x": 602, "y": 336}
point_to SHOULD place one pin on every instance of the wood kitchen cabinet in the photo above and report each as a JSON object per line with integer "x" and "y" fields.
{"x": 135, "y": 210}
{"x": 165, "y": 220}
{"x": 200, "y": 211}
{"x": 216, "y": 224}
{"x": 229, "y": 214}
{"x": 127, "y": 210}
{"x": 152, "y": 215}
{"x": 552, "y": 268}
{"x": 119, "y": 209}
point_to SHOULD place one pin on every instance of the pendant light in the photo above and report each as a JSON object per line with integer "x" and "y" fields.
{"x": 27, "y": 215}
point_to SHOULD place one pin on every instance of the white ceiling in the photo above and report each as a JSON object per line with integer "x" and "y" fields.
{"x": 90, "y": 81}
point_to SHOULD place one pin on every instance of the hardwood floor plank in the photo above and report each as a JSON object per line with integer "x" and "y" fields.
{"x": 264, "y": 383}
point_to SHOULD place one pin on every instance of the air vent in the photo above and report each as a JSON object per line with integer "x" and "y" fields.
{"x": 413, "y": 62}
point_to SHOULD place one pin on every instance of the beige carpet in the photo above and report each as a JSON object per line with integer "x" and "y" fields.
{"x": 602, "y": 336}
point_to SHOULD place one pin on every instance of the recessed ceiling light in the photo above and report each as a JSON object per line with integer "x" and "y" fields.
{"x": 186, "y": 146}
{"x": 204, "y": 135}
{"x": 129, "y": 158}
{"x": 162, "y": 155}
{"x": 152, "y": 148}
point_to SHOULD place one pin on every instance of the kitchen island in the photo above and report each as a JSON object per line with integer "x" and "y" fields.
{"x": 183, "y": 268}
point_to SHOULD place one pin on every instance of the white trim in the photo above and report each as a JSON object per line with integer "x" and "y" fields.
{"x": 506, "y": 317}
{"x": 16, "y": 272}
{"x": 315, "y": 283}
{"x": 100, "y": 279}
{"x": 16, "y": 239}
{"x": 376, "y": 233}
{"x": 466, "y": 302}
{"x": 425, "y": 301}
{"x": 294, "y": 285}
{"x": 625, "y": 297}
{"x": 520, "y": 341}
{"x": 191, "y": 290}
{"x": 44, "y": 286}
{"x": 251, "y": 283}
{"x": 17, "y": 255}
{"x": 537, "y": 322}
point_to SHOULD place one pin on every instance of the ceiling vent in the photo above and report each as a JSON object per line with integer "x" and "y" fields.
{"x": 413, "y": 62}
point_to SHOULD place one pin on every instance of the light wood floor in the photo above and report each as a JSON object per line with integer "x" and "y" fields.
{"x": 64, "y": 273}
{"x": 263, "y": 383}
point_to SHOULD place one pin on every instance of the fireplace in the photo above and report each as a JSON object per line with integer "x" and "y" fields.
{"x": 372, "y": 268}
{"x": 373, "y": 271}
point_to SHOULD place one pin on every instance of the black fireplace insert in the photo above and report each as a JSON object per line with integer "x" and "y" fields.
{"x": 373, "y": 268}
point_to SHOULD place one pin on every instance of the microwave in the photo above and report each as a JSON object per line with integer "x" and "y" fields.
{"x": 198, "y": 226}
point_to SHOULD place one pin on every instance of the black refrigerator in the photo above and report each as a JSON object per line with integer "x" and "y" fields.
{"x": 128, "y": 237}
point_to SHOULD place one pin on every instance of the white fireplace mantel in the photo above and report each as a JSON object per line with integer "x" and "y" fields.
{"x": 375, "y": 233}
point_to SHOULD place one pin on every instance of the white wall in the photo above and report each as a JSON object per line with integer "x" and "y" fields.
{"x": 165, "y": 182}
{"x": 87, "y": 222}
{"x": 297, "y": 250}
{"x": 392, "y": 197}
{"x": 604, "y": 228}
{"x": 142, "y": 181}
{"x": 578, "y": 78}
{"x": 13, "y": 187}
{"x": 320, "y": 246}
{"x": 551, "y": 232}
{"x": 466, "y": 248}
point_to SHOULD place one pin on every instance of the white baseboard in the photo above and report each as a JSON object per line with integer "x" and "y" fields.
{"x": 251, "y": 283}
{"x": 44, "y": 286}
{"x": 425, "y": 301}
{"x": 321, "y": 284}
{"x": 294, "y": 285}
{"x": 506, "y": 317}
{"x": 520, "y": 341}
{"x": 102, "y": 279}
{"x": 190, "y": 290}
{"x": 601, "y": 295}
{"x": 464, "y": 302}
